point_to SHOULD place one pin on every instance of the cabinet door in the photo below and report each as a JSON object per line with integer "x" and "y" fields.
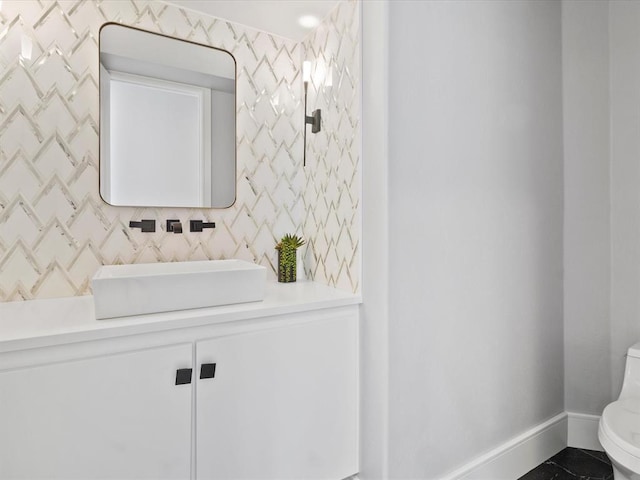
{"x": 110, "y": 417}
{"x": 282, "y": 404}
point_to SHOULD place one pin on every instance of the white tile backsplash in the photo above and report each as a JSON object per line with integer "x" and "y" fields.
{"x": 55, "y": 230}
{"x": 332, "y": 184}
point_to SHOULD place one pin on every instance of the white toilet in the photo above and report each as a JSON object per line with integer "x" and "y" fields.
{"x": 619, "y": 429}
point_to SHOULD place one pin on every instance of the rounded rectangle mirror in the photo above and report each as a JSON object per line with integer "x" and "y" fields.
{"x": 167, "y": 121}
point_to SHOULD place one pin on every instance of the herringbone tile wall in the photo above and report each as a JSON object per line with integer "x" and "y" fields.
{"x": 332, "y": 182}
{"x": 55, "y": 231}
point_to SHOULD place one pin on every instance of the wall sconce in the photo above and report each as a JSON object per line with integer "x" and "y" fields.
{"x": 315, "y": 117}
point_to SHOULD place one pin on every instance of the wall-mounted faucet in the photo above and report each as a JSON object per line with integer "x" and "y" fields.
{"x": 174, "y": 226}
{"x": 144, "y": 225}
{"x": 198, "y": 225}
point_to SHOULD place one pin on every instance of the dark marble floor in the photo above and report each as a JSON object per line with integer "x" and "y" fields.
{"x": 572, "y": 464}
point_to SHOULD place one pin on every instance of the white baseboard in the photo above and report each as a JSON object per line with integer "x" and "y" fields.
{"x": 517, "y": 456}
{"x": 583, "y": 431}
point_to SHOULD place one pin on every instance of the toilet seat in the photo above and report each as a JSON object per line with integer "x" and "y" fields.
{"x": 619, "y": 432}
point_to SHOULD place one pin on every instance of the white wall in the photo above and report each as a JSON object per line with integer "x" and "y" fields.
{"x": 602, "y": 197}
{"x": 585, "y": 48}
{"x": 475, "y": 227}
{"x": 624, "y": 26}
{"x": 374, "y": 335}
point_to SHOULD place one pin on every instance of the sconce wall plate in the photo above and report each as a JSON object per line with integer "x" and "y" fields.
{"x": 314, "y": 120}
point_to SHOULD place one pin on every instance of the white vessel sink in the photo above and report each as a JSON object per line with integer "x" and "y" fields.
{"x": 123, "y": 290}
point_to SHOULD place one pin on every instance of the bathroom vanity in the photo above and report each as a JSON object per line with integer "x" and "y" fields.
{"x": 258, "y": 390}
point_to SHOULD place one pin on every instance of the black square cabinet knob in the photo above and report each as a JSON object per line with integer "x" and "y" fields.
{"x": 183, "y": 376}
{"x": 208, "y": 370}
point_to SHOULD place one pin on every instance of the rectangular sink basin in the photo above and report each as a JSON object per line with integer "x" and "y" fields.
{"x": 123, "y": 290}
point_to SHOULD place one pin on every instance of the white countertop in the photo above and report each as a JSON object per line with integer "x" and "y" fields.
{"x": 39, "y": 323}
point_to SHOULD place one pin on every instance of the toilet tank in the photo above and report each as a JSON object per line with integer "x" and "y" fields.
{"x": 631, "y": 381}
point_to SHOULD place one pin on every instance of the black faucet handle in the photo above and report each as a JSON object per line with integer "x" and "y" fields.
{"x": 144, "y": 225}
{"x": 199, "y": 225}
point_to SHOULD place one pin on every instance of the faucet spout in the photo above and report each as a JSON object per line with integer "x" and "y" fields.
{"x": 174, "y": 226}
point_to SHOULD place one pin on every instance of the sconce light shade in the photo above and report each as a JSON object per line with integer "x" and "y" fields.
{"x": 306, "y": 71}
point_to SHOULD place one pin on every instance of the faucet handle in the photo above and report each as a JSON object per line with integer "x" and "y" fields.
{"x": 198, "y": 225}
{"x": 174, "y": 226}
{"x": 144, "y": 225}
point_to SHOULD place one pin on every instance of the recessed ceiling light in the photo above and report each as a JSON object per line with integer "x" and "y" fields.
{"x": 309, "y": 21}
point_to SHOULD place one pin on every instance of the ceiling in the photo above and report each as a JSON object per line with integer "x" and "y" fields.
{"x": 280, "y": 17}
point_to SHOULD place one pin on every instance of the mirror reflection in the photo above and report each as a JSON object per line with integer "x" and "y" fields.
{"x": 167, "y": 121}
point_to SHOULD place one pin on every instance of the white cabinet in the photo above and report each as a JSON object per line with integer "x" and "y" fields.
{"x": 282, "y": 404}
{"x": 110, "y": 417}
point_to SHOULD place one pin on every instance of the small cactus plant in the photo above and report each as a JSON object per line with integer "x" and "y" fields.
{"x": 287, "y": 247}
